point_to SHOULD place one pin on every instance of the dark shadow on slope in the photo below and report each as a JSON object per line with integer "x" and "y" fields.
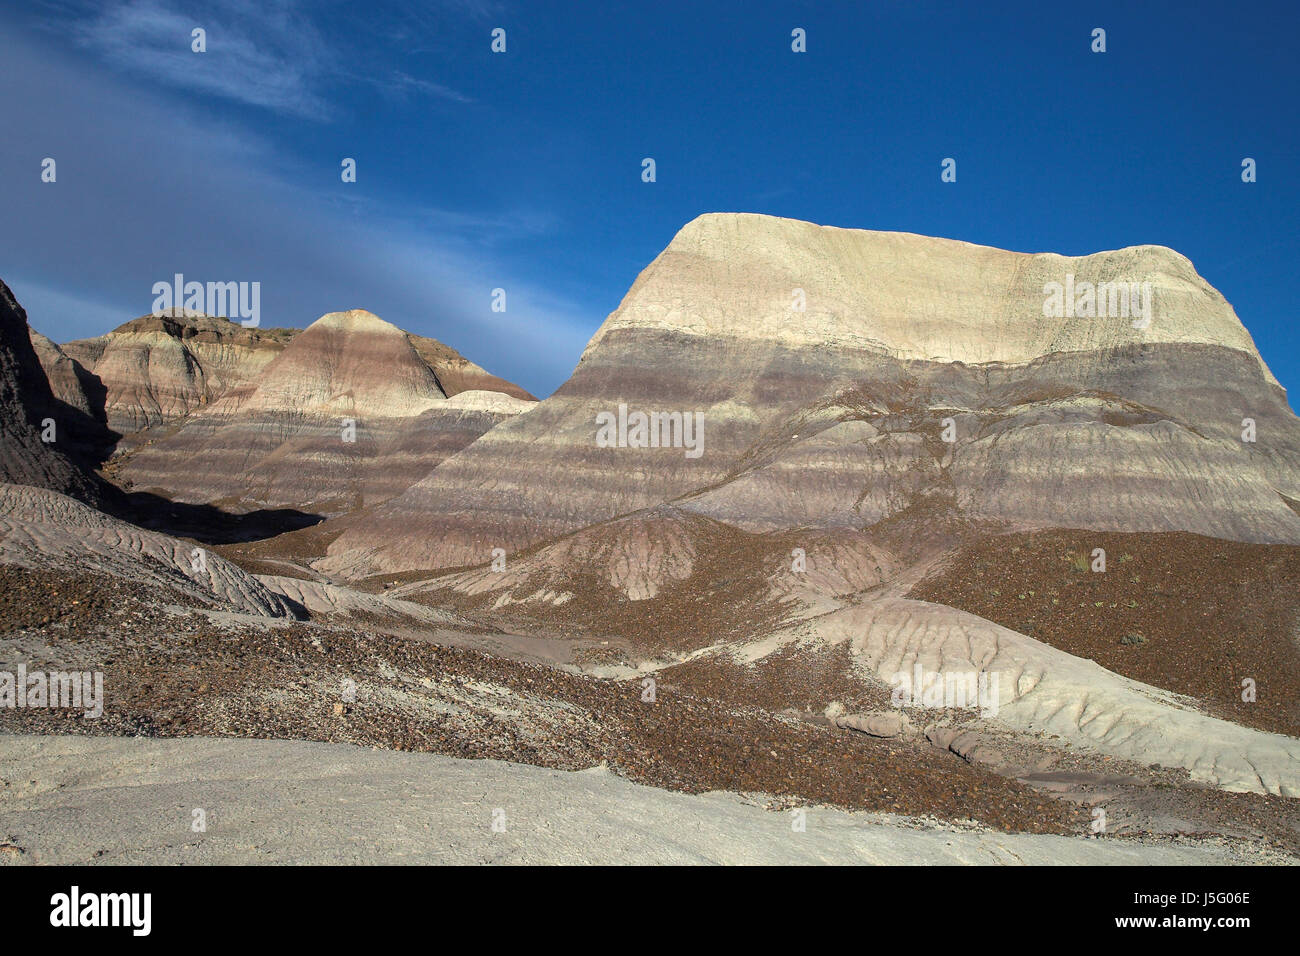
{"x": 207, "y": 523}
{"x": 85, "y": 438}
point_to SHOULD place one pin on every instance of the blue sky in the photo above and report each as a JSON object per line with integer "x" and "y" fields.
{"x": 522, "y": 170}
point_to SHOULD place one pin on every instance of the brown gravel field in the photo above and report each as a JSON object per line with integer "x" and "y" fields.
{"x": 182, "y": 675}
{"x": 1180, "y": 611}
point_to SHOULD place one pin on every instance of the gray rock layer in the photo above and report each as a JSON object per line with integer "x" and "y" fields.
{"x": 79, "y": 800}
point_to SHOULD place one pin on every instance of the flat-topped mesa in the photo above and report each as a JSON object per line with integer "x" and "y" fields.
{"x": 918, "y": 297}
{"x": 823, "y": 364}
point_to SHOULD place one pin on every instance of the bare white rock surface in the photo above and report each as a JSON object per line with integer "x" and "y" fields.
{"x": 75, "y": 800}
{"x": 911, "y": 296}
{"x": 1043, "y": 690}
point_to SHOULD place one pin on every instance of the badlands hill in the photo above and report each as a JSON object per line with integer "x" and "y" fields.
{"x": 897, "y": 459}
{"x": 350, "y": 412}
{"x": 836, "y": 416}
{"x": 801, "y": 543}
{"x": 159, "y": 368}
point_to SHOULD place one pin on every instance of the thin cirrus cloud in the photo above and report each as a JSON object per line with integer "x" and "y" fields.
{"x": 259, "y": 54}
{"x": 403, "y": 83}
{"x": 268, "y": 55}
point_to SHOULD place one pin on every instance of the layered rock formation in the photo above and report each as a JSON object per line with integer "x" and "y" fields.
{"x": 349, "y": 413}
{"x": 30, "y": 414}
{"x": 920, "y": 375}
{"x": 159, "y": 368}
{"x": 927, "y": 395}
{"x": 778, "y": 435}
{"x": 69, "y": 380}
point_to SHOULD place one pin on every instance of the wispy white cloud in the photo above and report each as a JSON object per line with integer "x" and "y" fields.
{"x": 270, "y": 55}
{"x": 480, "y": 229}
{"x": 398, "y": 85}
{"x": 401, "y": 82}
{"x": 261, "y": 54}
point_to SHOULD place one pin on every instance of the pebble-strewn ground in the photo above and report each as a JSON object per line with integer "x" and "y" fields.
{"x": 1191, "y": 614}
{"x": 180, "y": 675}
{"x": 713, "y": 725}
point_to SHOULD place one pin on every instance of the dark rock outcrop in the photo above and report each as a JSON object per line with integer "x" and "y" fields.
{"x": 30, "y": 413}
